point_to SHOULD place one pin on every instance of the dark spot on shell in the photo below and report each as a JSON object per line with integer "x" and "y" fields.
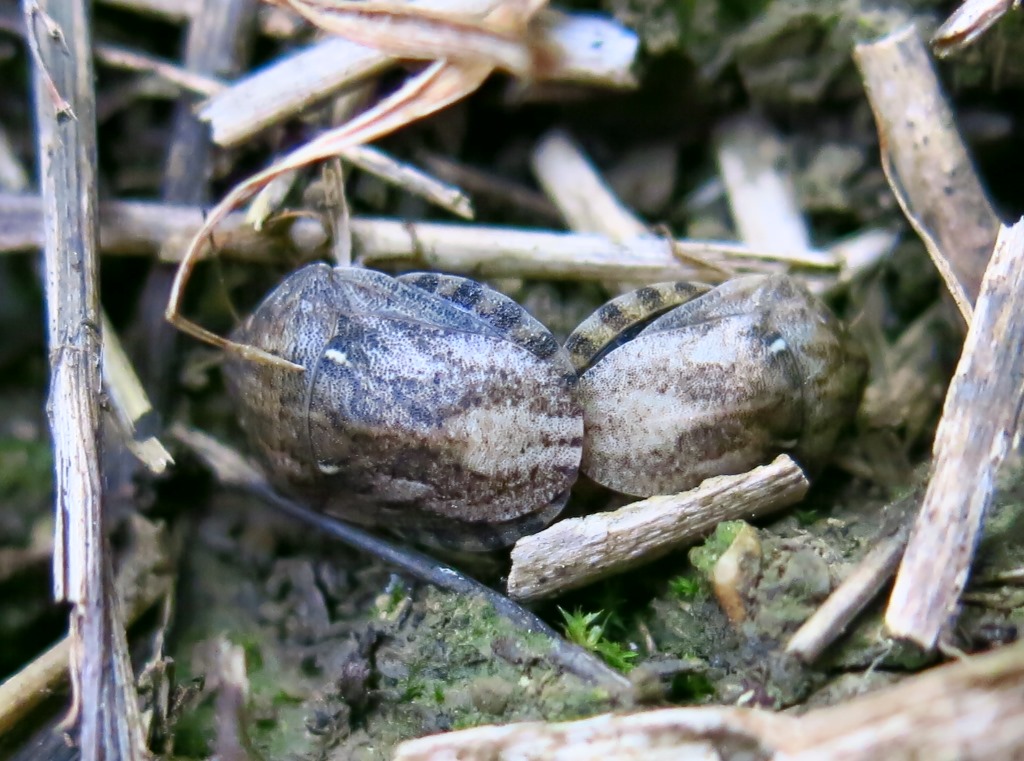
{"x": 426, "y": 282}
{"x": 507, "y": 315}
{"x": 650, "y": 298}
{"x": 612, "y": 316}
{"x": 468, "y": 294}
{"x": 543, "y": 345}
{"x": 580, "y": 345}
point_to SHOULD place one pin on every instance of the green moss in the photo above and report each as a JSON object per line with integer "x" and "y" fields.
{"x": 687, "y": 587}
{"x": 807, "y": 517}
{"x": 705, "y": 556}
{"x": 588, "y": 631}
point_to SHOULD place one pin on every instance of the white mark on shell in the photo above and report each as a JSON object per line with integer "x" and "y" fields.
{"x": 337, "y": 357}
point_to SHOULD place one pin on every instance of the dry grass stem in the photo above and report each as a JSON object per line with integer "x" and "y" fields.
{"x": 336, "y": 202}
{"x": 139, "y": 227}
{"x": 515, "y": 252}
{"x": 491, "y": 33}
{"x": 589, "y": 49}
{"x": 760, "y": 193}
{"x": 979, "y": 420}
{"x": 849, "y": 599}
{"x": 972, "y": 709}
{"x": 578, "y": 551}
{"x": 131, "y": 60}
{"x": 410, "y": 179}
{"x": 926, "y": 162}
{"x": 67, "y": 165}
{"x": 498, "y": 190}
{"x": 130, "y": 404}
{"x": 573, "y": 184}
{"x": 968, "y": 23}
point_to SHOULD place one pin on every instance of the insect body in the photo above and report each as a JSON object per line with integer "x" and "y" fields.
{"x": 725, "y": 379}
{"x": 428, "y": 404}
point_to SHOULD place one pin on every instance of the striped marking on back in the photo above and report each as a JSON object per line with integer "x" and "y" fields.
{"x": 631, "y": 310}
{"x": 503, "y": 314}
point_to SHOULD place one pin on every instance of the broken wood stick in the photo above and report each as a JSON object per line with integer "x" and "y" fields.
{"x": 979, "y": 419}
{"x": 926, "y": 161}
{"x": 578, "y": 551}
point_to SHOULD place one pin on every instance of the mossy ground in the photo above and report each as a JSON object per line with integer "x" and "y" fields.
{"x": 343, "y": 659}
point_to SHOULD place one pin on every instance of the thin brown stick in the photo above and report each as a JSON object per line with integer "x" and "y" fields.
{"x": 194, "y": 82}
{"x": 106, "y": 703}
{"x": 847, "y": 600}
{"x": 968, "y": 23}
{"x": 578, "y": 551}
{"x": 981, "y": 413}
{"x": 517, "y": 252}
{"x": 409, "y": 178}
{"x": 926, "y": 161}
{"x": 761, "y": 193}
{"x": 218, "y": 43}
{"x": 147, "y": 227}
{"x": 587, "y": 48}
{"x": 574, "y": 185}
{"x": 138, "y": 227}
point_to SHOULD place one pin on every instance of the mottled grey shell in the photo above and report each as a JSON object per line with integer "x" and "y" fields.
{"x": 430, "y": 405}
{"x": 724, "y": 382}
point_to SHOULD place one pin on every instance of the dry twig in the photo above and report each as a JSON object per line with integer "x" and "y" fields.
{"x": 133, "y": 227}
{"x": 854, "y": 593}
{"x": 409, "y": 178}
{"x": 578, "y": 551}
{"x": 573, "y": 184}
{"x": 587, "y": 48}
{"x": 106, "y": 707}
{"x": 968, "y": 23}
{"x": 926, "y": 162}
{"x": 761, "y": 194}
{"x": 981, "y": 414}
